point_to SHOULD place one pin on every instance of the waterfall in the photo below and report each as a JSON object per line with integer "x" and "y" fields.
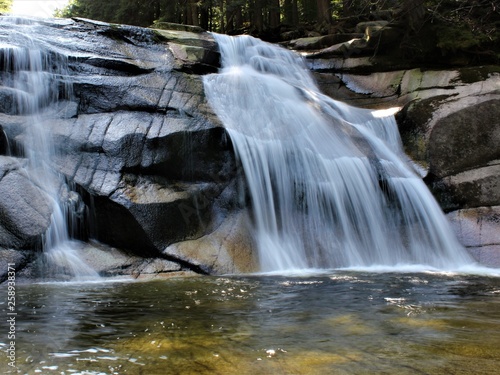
{"x": 330, "y": 185}
{"x": 39, "y": 80}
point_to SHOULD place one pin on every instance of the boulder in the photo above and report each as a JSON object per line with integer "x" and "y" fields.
{"x": 320, "y": 42}
{"x": 11, "y": 260}
{"x": 453, "y": 130}
{"x": 465, "y": 139}
{"x": 25, "y": 210}
{"x": 478, "y": 230}
{"x": 228, "y": 249}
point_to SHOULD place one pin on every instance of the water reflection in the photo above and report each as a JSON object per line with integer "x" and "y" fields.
{"x": 339, "y": 323}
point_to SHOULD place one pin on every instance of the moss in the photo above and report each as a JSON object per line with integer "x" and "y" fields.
{"x": 456, "y": 38}
{"x": 478, "y": 73}
{"x": 158, "y": 37}
{"x": 177, "y": 27}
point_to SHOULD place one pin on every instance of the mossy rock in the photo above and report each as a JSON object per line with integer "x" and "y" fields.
{"x": 477, "y": 73}
{"x": 413, "y": 122}
{"x": 177, "y": 27}
{"x": 465, "y": 139}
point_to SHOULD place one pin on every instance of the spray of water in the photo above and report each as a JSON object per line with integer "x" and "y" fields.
{"x": 329, "y": 183}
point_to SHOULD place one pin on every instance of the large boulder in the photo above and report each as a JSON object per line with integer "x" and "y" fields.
{"x": 478, "y": 229}
{"x": 25, "y": 210}
{"x": 453, "y": 130}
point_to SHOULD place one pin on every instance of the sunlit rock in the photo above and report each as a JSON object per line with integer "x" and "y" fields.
{"x": 477, "y": 229}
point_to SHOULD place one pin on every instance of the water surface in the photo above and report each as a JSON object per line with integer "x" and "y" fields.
{"x": 333, "y": 323}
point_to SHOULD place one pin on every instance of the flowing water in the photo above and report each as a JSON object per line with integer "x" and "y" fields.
{"x": 39, "y": 81}
{"x": 332, "y": 323}
{"x": 329, "y": 184}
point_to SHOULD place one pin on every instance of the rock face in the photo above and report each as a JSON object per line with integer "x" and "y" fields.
{"x": 134, "y": 137}
{"x": 152, "y": 171}
{"x": 478, "y": 229}
{"x": 449, "y": 123}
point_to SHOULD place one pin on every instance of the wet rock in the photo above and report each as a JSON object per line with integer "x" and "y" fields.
{"x": 320, "y": 42}
{"x": 110, "y": 262}
{"x": 228, "y": 249}
{"x": 477, "y": 187}
{"x": 465, "y": 139}
{"x": 478, "y": 229}
{"x": 12, "y": 261}
{"x": 7, "y": 102}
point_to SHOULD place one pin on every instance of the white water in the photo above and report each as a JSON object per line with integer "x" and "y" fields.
{"x": 39, "y": 79}
{"x": 330, "y": 185}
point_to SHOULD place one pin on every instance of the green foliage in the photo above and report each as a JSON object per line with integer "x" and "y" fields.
{"x": 467, "y": 26}
{"x": 453, "y": 38}
{"x": 5, "y": 6}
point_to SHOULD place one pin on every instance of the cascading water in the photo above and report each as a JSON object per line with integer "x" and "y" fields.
{"x": 329, "y": 183}
{"x": 38, "y": 78}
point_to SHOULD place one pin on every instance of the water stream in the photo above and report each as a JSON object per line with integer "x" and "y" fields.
{"x": 330, "y": 185}
{"x": 39, "y": 80}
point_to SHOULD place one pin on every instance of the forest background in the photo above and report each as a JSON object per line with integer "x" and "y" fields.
{"x": 427, "y": 29}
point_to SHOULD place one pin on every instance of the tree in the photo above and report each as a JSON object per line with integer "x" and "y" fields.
{"x": 290, "y": 12}
{"x": 413, "y": 12}
{"x": 324, "y": 14}
{"x": 5, "y": 6}
{"x": 274, "y": 13}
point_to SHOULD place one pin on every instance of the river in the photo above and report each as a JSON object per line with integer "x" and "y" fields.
{"x": 337, "y": 322}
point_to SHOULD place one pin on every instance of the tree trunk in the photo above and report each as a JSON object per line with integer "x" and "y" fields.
{"x": 238, "y": 18}
{"x": 323, "y": 11}
{"x": 274, "y": 13}
{"x": 287, "y": 12}
{"x": 222, "y": 19}
{"x": 193, "y": 9}
{"x": 169, "y": 12}
{"x": 309, "y": 10}
{"x": 295, "y": 12}
{"x": 413, "y": 13}
{"x": 258, "y": 18}
{"x": 204, "y": 14}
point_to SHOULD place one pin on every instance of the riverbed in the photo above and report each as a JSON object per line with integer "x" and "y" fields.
{"x": 336, "y": 322}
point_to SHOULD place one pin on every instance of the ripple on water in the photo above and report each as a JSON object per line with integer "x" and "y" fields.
{"x": 341, "y": 322}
